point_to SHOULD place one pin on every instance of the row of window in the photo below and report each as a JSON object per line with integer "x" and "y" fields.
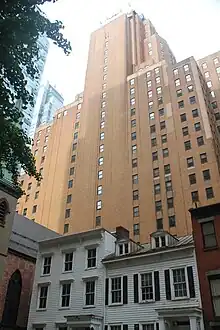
{"x": 68, "y": 260}
{"x": 179, "y": 283}
{"x": 215, "y": 60}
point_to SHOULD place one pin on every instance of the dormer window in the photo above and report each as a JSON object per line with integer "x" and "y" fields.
{"x": 160, "y": 241}
{"x": 123, "y": 248}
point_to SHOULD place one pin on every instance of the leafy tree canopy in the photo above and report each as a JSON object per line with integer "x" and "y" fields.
{"x": 21, "y": 24}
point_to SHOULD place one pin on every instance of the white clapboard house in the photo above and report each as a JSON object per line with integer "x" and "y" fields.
{"x": 105, "y": 281}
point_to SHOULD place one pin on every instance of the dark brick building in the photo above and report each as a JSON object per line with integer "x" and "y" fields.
{"x": 206, "y": 232}
{"x": 17, "y": 281}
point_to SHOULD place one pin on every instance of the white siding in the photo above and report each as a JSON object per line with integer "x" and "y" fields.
{"x": 53, "y": 313}
{"x": 133, "y": 313}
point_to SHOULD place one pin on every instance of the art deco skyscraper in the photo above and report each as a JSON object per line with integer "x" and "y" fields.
{"x": 141, "y": 149}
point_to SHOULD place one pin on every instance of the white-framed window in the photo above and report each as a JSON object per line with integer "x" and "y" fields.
{"x": 188, "y": 77}
{"x": 212, "y": 93}
{"x": 206, "y": 74}
{"x": 104, "y": 86}
{"x": 177, "y": 82}
{"x": 157, "y": 70}
{"x": 100, "y": 174}
{"x": 65, "y": 294}
{"x": 159, "y": 90}
{"x": 180, "y": 283}
{"x": 148, "y": 74}
{"x": 132, "y": 82}
{"x": 209, "y": 84}
{"x": 68, "y": 262}
{"x": 157, "y": 80}
{"x": 186, "y": 67}
{"x": 215, "y": 291}
{"x": 150, "y": 94}
{"x": 103, "y": 114}
{"x": 46, "y": 266}
{"x": 204, "y": 65}
{"x": 65, "y": 113}
{"x": 146, "y": 286}
{"x": 116, "y": 290}
{"x": 152, "y": 116}
{"x": 149, "y": 326}
{"x": 102, "y": 124}
{"x": 216, "y": 61}
{"x": 123, "y": 248}
{"x": 91, "y": 257}
{"x": 43, "y": 291}
{"x": 150, "y": 104}
{"x": 101, "y": 148}
{"x": 132, "y": 91}
{"x": 98, "y": 205}
{"x": 132, "y": 101}
{"x": 79, "y": 106}
{"x": 149, "y": 83}
{"x": 99, "y": 190}
{"x": 175, "y": 72}
{"x": 90, "y": 293}
{"x": 77, "y": 115}
{"x": 101, "y": 161}
{"x": 102, "y": 136}
{"x": 115, "y": 327}
{"x": 105, "y": 68}
{"x": 103, "y": 104}
{"x": 104, "y": 95}
{"x": 134, "y": 149}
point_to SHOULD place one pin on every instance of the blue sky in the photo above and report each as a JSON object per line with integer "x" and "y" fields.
{"x": 191, "y": 28}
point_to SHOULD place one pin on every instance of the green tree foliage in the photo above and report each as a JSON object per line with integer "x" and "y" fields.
{"x": 21, "y": 23}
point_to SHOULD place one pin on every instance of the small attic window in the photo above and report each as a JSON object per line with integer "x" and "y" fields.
{"x": 160, "y": 241}
{"x": 123, "y": 248}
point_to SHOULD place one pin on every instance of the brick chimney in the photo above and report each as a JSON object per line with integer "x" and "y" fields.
{"x": 122, "y": 232}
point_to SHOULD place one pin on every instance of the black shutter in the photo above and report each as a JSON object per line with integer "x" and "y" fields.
{"x": 125, "y": 327}
{"x": 136, "y": 326}
{"x": 136, "y": 288}
{"x": 157, "y": 326}
{"x": 125, "y": 290}
{"x": 157, "y": 285}
{"x": 167, "y": 284}
{"x": 106, "y": 290}
{"x": 191, "y": 282}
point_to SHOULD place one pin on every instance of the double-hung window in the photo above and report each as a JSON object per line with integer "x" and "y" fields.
{"x": 116, "y": 290}
{"x": 147, "y": 287}
{"x": 91, "y": 258}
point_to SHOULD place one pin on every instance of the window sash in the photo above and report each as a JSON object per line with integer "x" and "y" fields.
{"x": 90, "y": 293}
{"x": 91, "y": 258}
{"x": 179, "y": 283}
{"x": 147, "y": 292}
{"x": 43, "y": 297}
{"x": 215, "y": 290}
{"x": 68, "y": 262}
{"x": 116, "y": 290}
{"x": 65, "y": 296}
{"x": 47, "y": 265}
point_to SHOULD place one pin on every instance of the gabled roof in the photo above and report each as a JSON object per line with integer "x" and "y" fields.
{"x": 180, "y": 242}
